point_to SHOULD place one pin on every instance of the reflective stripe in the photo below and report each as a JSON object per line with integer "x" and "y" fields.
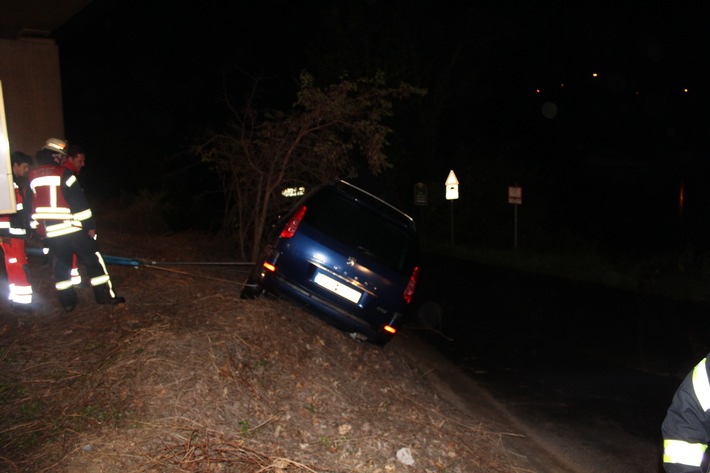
{"x": 83, "y": 215}
{"x": 677, "y": 451}
{"x": 64, "y": 228}
{"x": 5, "y": 225}
{"x": 108, "y": 280}
{"x": 70, "y": 182}
{"x": 62, "y": 285}
{"x": 75, "y": 276}
{"x": 46, "y": 213}
{"x": 45, "y": 181}
{"x": 99, "y": 280}
{"x": 701, "y": 385}
{"x": 22, "y": 299}
{"x": 23, "y": 290}
{"x": 62, "y": 232}
{"x": 12, "y": 260}
{"x": 61, "y": 226}
{"x": 63, "y": 211}
{"x": 23, "y": 295}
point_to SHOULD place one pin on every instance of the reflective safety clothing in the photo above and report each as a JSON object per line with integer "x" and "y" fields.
{"x": 75, "y": 275}
{"x": 59, "y": 206}
{"x": 15, "y": 225}
{"x": 13, "y": 231}
{"x": 63, "y": 216}
{"x": 686, "y": 427}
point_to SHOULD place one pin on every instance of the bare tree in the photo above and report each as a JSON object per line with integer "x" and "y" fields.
{"x": 330, "y": 132}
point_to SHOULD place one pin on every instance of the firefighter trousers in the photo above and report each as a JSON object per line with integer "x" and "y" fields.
{"x": 17, "y": 270}
{"x": 63, "y": 248}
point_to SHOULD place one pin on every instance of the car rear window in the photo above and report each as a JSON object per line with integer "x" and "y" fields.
{"x": 361, "y": 229}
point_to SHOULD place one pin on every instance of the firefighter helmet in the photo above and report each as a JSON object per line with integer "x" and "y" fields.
{"x": 56, "y": 145}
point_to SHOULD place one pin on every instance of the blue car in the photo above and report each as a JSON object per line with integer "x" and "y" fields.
{"x": 347, "y": 255}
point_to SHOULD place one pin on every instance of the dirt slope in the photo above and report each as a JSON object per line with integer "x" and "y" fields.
{"x": 186, "y": 376}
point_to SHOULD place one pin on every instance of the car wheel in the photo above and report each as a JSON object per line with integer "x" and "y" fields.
{"x": 252, "y": 287}
{"x": 251, "y": 291}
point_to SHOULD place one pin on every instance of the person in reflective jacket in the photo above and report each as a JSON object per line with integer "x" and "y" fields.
{"x": 74, "y": 161}
{"x": 686, "y": 427}
{"x": 14, "y": 229}
{"x": 63, "y": 217}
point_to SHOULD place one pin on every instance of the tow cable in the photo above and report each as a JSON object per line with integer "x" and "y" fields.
{"x": 161, "y": 265}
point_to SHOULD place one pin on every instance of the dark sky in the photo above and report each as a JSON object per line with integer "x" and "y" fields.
{"x": 504, "y": 77}
{"x": 147, "y": 68}
{"x": 152, "y": 73}
{"x": 141, "y": 80}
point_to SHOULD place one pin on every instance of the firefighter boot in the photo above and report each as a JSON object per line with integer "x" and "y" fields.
{"x": 104, "y": 295}
{"x": 67, "y": 298}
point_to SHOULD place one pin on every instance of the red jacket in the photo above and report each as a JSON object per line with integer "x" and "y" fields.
{"x": 59, "y": 206}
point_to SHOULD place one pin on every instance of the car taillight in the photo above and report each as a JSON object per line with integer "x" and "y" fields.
{"x": 411, "y": 286}
{"x": 290, "y": 229}
{"x": 269, "y": 266}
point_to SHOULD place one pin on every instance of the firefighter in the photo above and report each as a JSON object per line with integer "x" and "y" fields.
{"x": 686, "y": 427}
{"x": 74, "y": 161}
{"x": 65, "y": 221}
{"x": 14, "y": 229}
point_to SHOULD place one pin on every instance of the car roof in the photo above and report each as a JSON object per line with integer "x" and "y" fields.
{"x": 385, "y": 208}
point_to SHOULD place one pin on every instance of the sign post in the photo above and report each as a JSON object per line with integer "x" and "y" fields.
{"x": 421, "y": 194}
{"x": 515, "y": 197}
{"x": 452, "y": 193}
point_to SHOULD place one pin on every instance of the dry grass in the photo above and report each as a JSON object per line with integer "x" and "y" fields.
{"x": 187, "y": 377}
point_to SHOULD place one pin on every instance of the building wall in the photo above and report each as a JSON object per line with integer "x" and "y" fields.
{"x": 31, "y": 83}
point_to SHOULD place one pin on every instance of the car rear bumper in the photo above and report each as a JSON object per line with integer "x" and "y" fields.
{"x": 339, "y": 317}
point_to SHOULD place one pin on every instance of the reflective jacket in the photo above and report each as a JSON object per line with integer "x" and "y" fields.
{"x": 686, "y": 428}
{"x": 15, "y": 225}
{"x": 59, "y": 206}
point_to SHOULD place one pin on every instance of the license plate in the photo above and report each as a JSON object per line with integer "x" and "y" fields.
{"x": 340, "y": 289}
